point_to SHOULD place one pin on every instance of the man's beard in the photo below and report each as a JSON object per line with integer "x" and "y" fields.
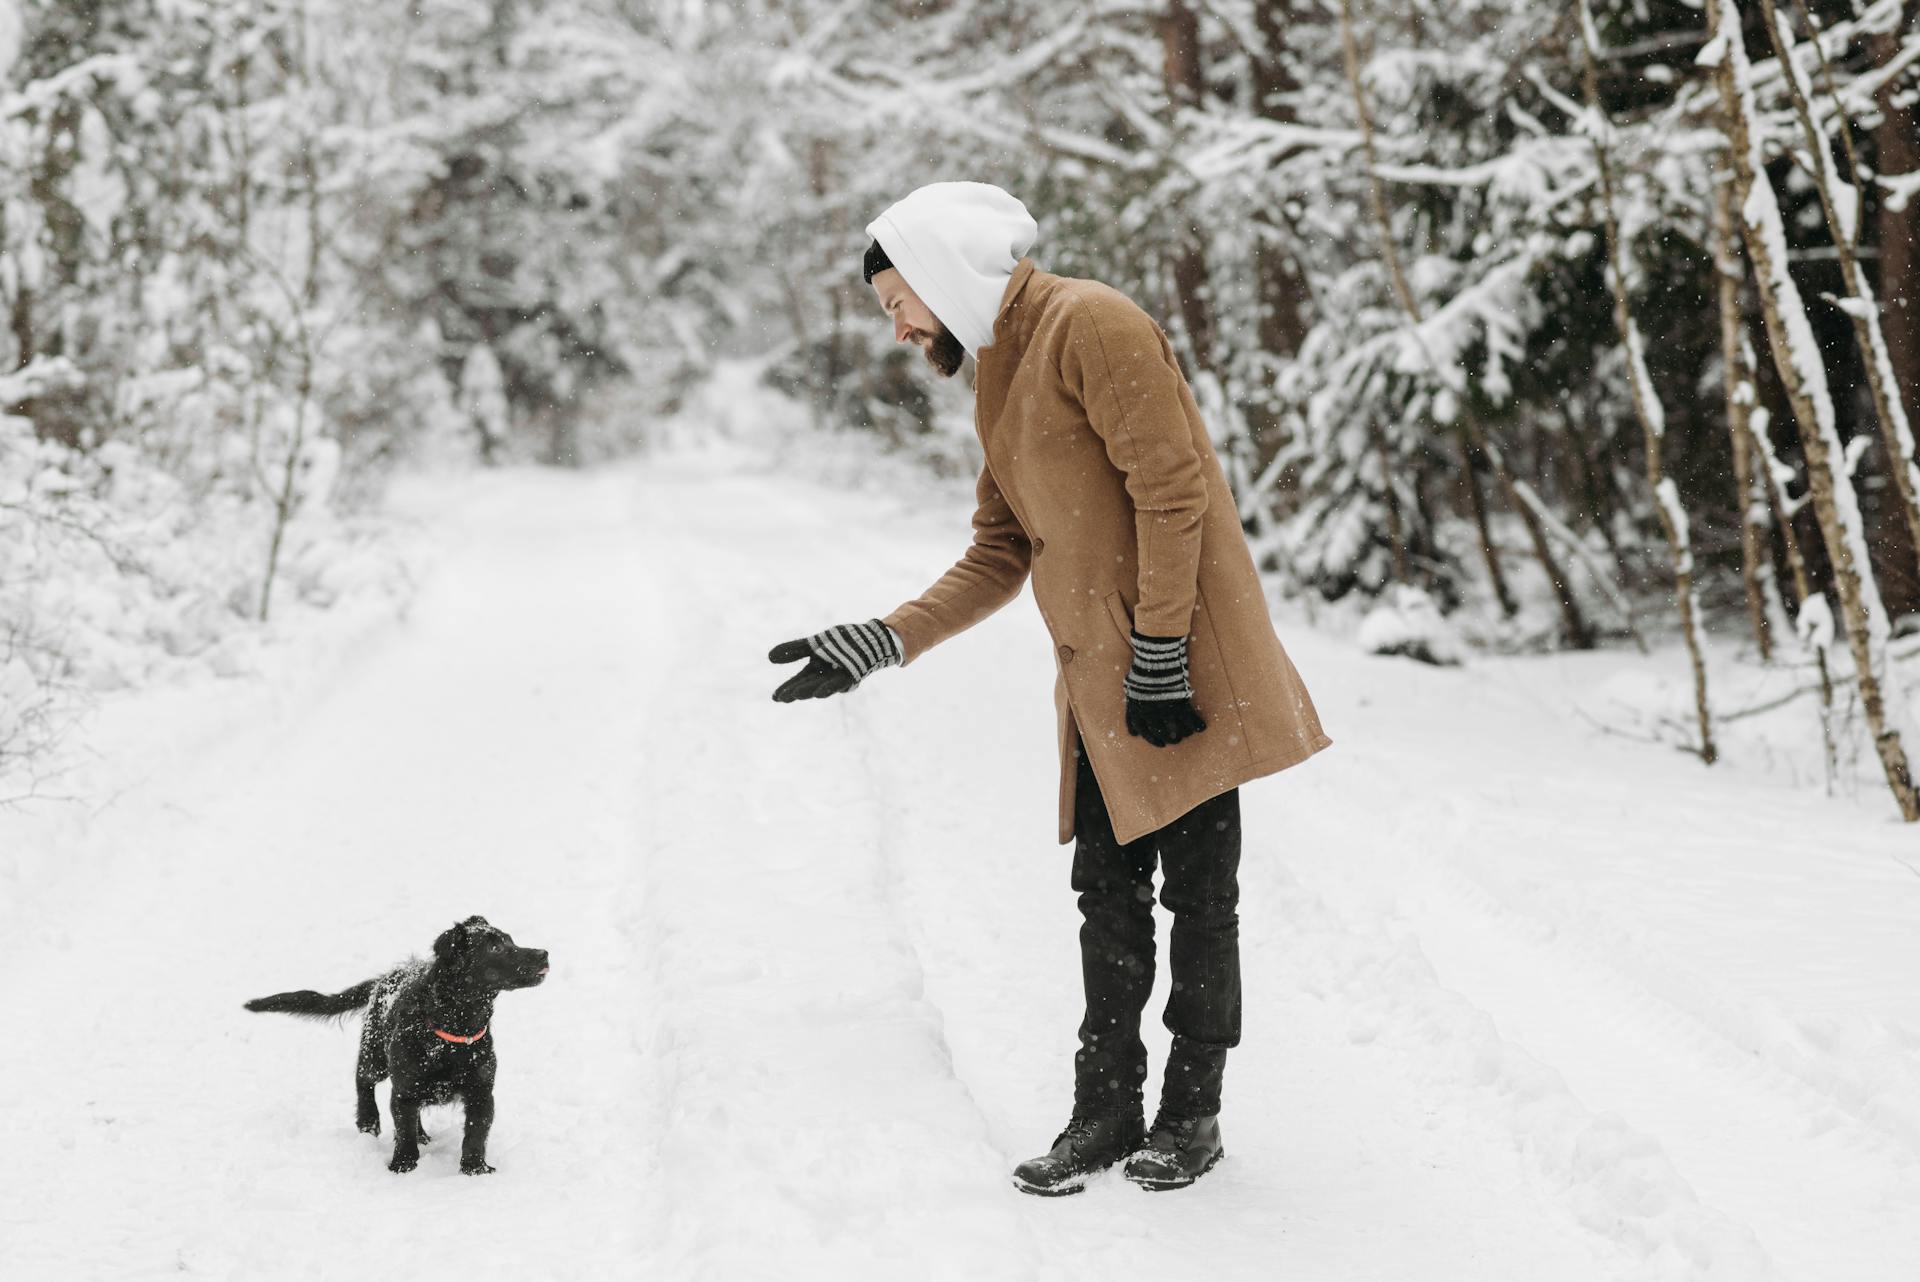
{"x": 945, "y": 353}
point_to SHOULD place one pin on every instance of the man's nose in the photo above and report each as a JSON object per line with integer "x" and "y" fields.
{"x": 901, "y": 329}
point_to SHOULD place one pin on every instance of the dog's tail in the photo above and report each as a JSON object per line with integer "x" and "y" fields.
{"x": 314, "y": 1005}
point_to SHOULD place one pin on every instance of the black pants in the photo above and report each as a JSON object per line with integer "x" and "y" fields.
{"x": 1199, "y": 856}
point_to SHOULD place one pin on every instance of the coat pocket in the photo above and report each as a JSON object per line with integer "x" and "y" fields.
{"x": 1117, "y": 611}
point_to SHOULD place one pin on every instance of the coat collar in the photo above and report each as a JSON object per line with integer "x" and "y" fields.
{"x": 1003, "y": 323}
{"x": 995, "y": 363}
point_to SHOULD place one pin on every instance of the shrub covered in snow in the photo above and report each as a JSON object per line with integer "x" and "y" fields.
{"x": 1408, "y": 622}
{"x": 116, "y": 572}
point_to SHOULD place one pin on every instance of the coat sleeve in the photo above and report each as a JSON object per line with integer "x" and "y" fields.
{"x": 987, "y": 576}
{"x": 1119, "y": 365}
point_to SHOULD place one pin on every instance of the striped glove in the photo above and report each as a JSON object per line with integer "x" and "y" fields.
{"x": 1159, "y": 698}
{"x": 837, "y": 660}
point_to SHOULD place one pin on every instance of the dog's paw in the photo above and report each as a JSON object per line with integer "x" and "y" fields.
{"x": 425, "y": 1138}
{"x": 474, "y": 1166}
{"x": 369, "y": 1128}
{"x": 401, "y": 1165}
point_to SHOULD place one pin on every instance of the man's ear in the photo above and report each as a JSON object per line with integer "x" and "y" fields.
{"x": 451, "y": 941}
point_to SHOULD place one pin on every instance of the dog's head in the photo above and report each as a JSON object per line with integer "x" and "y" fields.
{"x": 487, "y": 958}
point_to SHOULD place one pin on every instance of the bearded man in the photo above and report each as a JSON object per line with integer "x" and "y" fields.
{"x": 1101, "y": 483}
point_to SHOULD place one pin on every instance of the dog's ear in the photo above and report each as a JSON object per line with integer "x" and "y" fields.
{"x": 476, "y": 922}
{"x": 452, "y": 940}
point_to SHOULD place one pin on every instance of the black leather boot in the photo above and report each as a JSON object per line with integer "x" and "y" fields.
{"x": 1089, "y": 1145}
{"x": 1179, "y": 1151}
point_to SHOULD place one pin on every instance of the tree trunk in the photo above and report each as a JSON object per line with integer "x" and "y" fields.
{"x": 1803, "y": 377}
{"x": 1782, "y": 508}
{"x": 20, "y": 320}
{"x": 1185, "y": 84}
{"x": 1477, "y": 503}
{"x": 1840, "y": 202}
{"x": 1646, "y": 403}
{"x": 1280, "y": 283}
{"x": 1283, "y": 285}
{"x": 1396, "y": 528}
{"x": 1755, "y": 564}
{"x": 1897, "y": 151}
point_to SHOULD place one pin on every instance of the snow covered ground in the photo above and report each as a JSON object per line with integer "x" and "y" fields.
{"x": 1524, "y": 1001}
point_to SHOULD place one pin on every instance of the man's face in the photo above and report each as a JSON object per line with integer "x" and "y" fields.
{"x": 914, "y": 322}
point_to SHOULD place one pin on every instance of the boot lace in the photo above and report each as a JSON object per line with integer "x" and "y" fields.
{"x": 1077, "y": 1129}
{"x": 1081, "y": 1126}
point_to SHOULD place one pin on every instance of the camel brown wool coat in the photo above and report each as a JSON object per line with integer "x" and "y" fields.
{"x": 1101, "y": 482}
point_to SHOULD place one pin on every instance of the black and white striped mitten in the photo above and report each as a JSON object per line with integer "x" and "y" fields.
{"x": 838, "y": 659}
{"x": 1159, "y": 695}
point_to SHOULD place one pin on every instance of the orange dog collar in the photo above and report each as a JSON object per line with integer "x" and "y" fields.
{"x": 445, "y": 1036}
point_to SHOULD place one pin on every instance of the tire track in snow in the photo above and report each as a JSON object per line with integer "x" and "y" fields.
{"x": 808, "y": 1116}
{"x": 1815, "y": 1184}
{"x": 1866, "y": 1070}
{"x": 1614, "y": 1181}
{"x": 1774, "y": 919}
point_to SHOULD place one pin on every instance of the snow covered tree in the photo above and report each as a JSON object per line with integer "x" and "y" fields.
{"x": 1646, "y": 401}
{"x": 1803, "y": 374}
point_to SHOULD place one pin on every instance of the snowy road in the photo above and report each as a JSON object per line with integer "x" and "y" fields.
{"x": 815, "y": 978}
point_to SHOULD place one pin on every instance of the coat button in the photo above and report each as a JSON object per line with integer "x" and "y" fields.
{"x": 1039, "y": 546}
{"x": 1066, "y": 654}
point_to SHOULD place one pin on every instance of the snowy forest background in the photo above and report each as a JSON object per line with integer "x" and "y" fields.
{"x": 1524, "y": 326}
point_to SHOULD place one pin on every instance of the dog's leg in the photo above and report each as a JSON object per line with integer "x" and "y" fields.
{"x": 473, "y": 1145}
{"x": 366, "y": 1111}
{"x": 406, "y": 1133}
{"x": 368, "y": 1068}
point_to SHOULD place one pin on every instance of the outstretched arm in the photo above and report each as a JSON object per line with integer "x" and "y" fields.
{"x": 987, "y": 576}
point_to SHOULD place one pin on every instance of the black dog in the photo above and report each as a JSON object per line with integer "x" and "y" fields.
{"x": 426, "y": 1027}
